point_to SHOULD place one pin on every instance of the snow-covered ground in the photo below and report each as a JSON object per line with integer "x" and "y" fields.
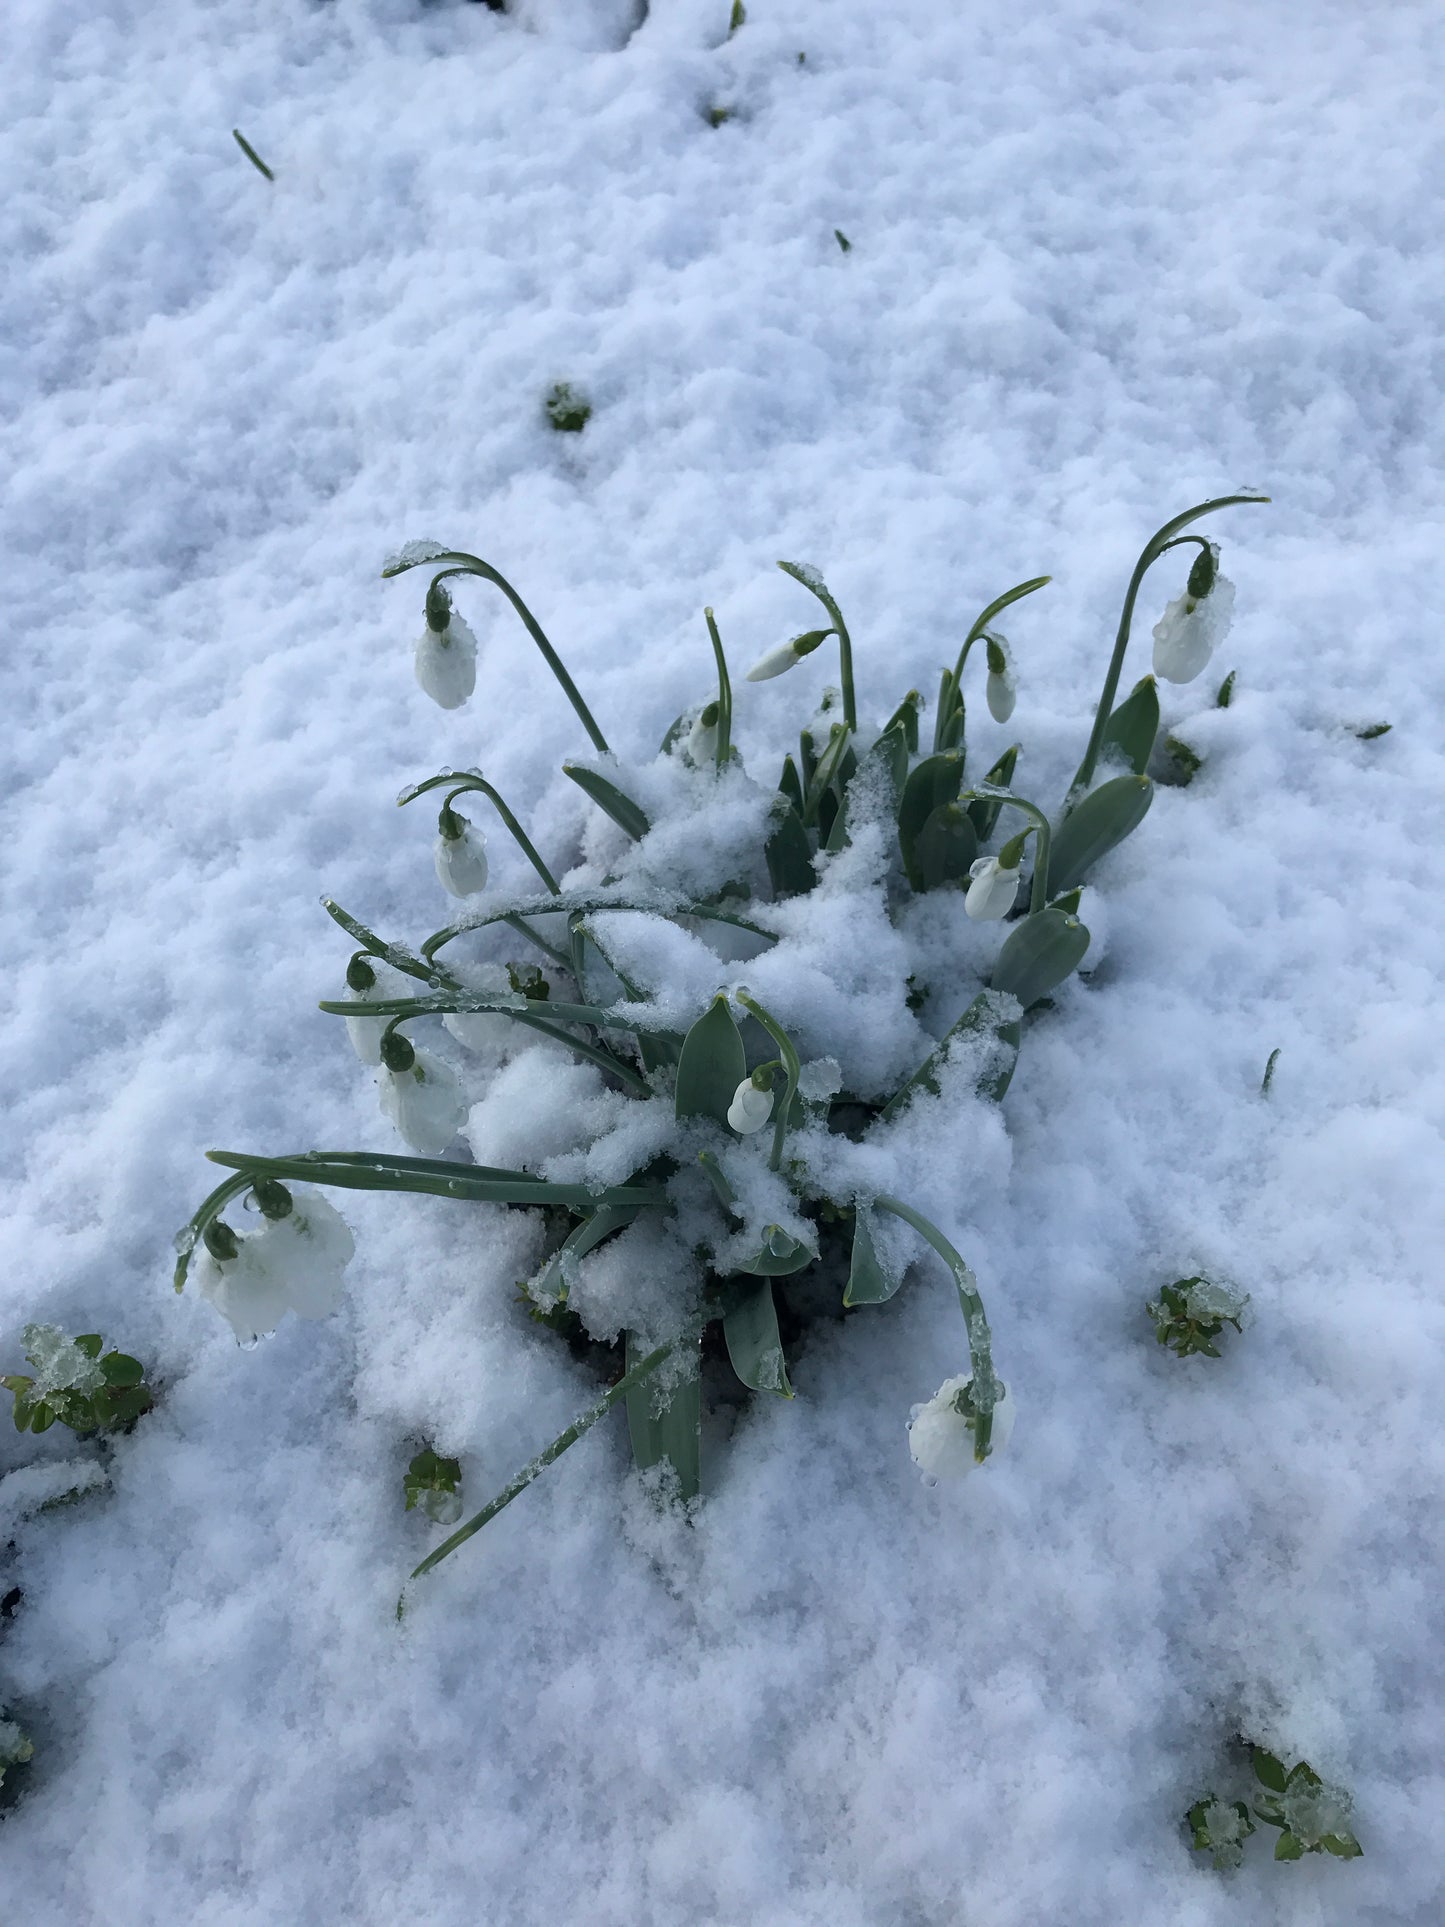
{"x": 1106, "y": 261}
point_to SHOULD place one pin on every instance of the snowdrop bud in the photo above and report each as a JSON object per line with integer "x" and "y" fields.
{"x": 778, "y": 661}
{"x": 461, "y": 855}
{"x": 701, "y": 748}
{"x": 993, "y": 888}
{"x": 365, "y": 1033}
{"x": 1000, "y": 691}
{"x": 750, "y": 1108}
{"x": 1194, "y": 624}
{"x": 423, "y": 1099}
{"x": 446, "y": 653}
{"x": 940, "y": 1434}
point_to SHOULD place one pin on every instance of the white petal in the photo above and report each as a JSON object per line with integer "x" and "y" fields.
{"x": 750, "y": 1108}
{"x": 244, "y": 1290}
{"x": 461, "y": 862}
{"x": 1001, "y": 695}
{"x": 365, "y": 1032}
{"x": 776, "y": 662}
{"x": 427, "y": 1109}
{"x": 941, "y": 1438}
{"x": 308, "y": 1251}
{"x": 446, "y": 664}
{"x": 993, "y": 891}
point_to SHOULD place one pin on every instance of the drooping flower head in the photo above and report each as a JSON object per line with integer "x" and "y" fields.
{"x": 460, "y": 854}
{"x": 787, "y": 655}
{"x": 751, "y": 1107}
{"x": 420, "y": 1094}
{"x": 941, "y": 1433}
{"x": 1000, "y": 691}
{"x": 293, "y": 1263}
{"x": 994, "y": 881}
{"x": 446, "y": 652}
{"x": 1194, "y": 624}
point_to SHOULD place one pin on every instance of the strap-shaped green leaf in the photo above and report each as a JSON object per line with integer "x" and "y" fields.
{"x": 755, "y": 1348}
{"x": 671, "y": 1436}
{"x": 984, "y": 815}
{"x": 779, "y": 1255}
{"x": 606, "y": 795}
{"x": 1130, "y": 731}
{"x": 585, "y": 1237}
{"x": 1104, "y": 818}
{"x": 996, "y": 1067}
{"x": 931, "y": 783}
{"x": 947, "y": 845}
{"x": 791, "y": 784}
{"x": 868, "y": 1282}
{"x": 1038, "y": 954}
{"x": 789, "y": 853}
{"x": 712, "y": 1065}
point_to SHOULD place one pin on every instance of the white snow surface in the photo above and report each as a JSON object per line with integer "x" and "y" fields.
{"x": 1106, "y": 261}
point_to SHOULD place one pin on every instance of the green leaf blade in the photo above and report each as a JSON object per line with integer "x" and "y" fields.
{"x": 712, "y": 1064}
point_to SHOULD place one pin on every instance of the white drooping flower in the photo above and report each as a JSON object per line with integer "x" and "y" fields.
{"x": 461, "y": 855}
{"x": 1191, "y": 629}
{"x": 291, "y": 1264}
{"x": 424, "y": 1101}
{"x": 940, "y": 1436}
{"x": 777, "y": 662}
{"x": 446, "y": 662}
{"x": 992, "y": 890}
{"x": 308, "y": 1250}
{"x": 750, "y": 1108}
{"x": 365, "y": 1033}
{"x": 700, "y": 749}
{"x": 1000, "y": 691}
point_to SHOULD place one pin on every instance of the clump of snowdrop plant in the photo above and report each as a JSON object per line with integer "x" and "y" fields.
{"x": 1191, "y": 1314}
{"x": 1311, "y": 1815}
{"x": 724, "y": 1166}
{"x": 76, "y": 1382}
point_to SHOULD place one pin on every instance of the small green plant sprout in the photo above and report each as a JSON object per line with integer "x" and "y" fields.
{"x": 718, "y": 116}
{"x": 15, "y": 1747}
{"x": 844, "y": 244}
{"x": 1370, "y": 732}
{"x": 434, "y": 1485}
{"x": 1268, "y": 1079}
{"x": 568, "y": 410}
{"x": 1219, "y": 1828}
{"x": 1192, "y": 1312}
{"x": 1224, "y": 696}
{"x": 1175, "y": 764}
{"x": 1312, "y": 1815}
{"x": 737, "y": 18}
{"x": 77, "y": 1382}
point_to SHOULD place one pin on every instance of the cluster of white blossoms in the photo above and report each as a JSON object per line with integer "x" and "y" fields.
{"x": 941, "y": 1435}
{"x": 293, "y": 1263}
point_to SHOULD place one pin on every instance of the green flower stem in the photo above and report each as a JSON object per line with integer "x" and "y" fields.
{"x": 980, "y": 1342}
{"x": 457, "y": 783}
{"x": 790, "y": 1065}
{"x": 642, "y": 1370}
{"x": 432, "y": 1177}
{"x": 955, "y": 684}
{"x": 1150, "y": 554}
{"x": 205, "y": 1213}
{"x": 396, "y": 955}
{"x": 724, "y": 693}
{"x": 989, "y": 793}
{"x": 817, "y": 587}
{"x": 464, "y": 564}
{"x": 584, "y": 903}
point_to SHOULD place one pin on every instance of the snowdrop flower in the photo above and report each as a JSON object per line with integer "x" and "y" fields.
{"x": 446, "y": 653}
{"x": 701, "y": 747}
{"x": 1000, "y": 691}
{"x": 777, "y": 662}
{"x": 421, "y": 1095}
{"x": 365, "y": 1033}
{"x": 750, "y": 1109}
{"x": 461, "y": 855}
{"x": 294, "y": 1263}
{"x": 1194, "y": 624}
{"x": 940, "y": 1433}
{"x": 994, "y": 882}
